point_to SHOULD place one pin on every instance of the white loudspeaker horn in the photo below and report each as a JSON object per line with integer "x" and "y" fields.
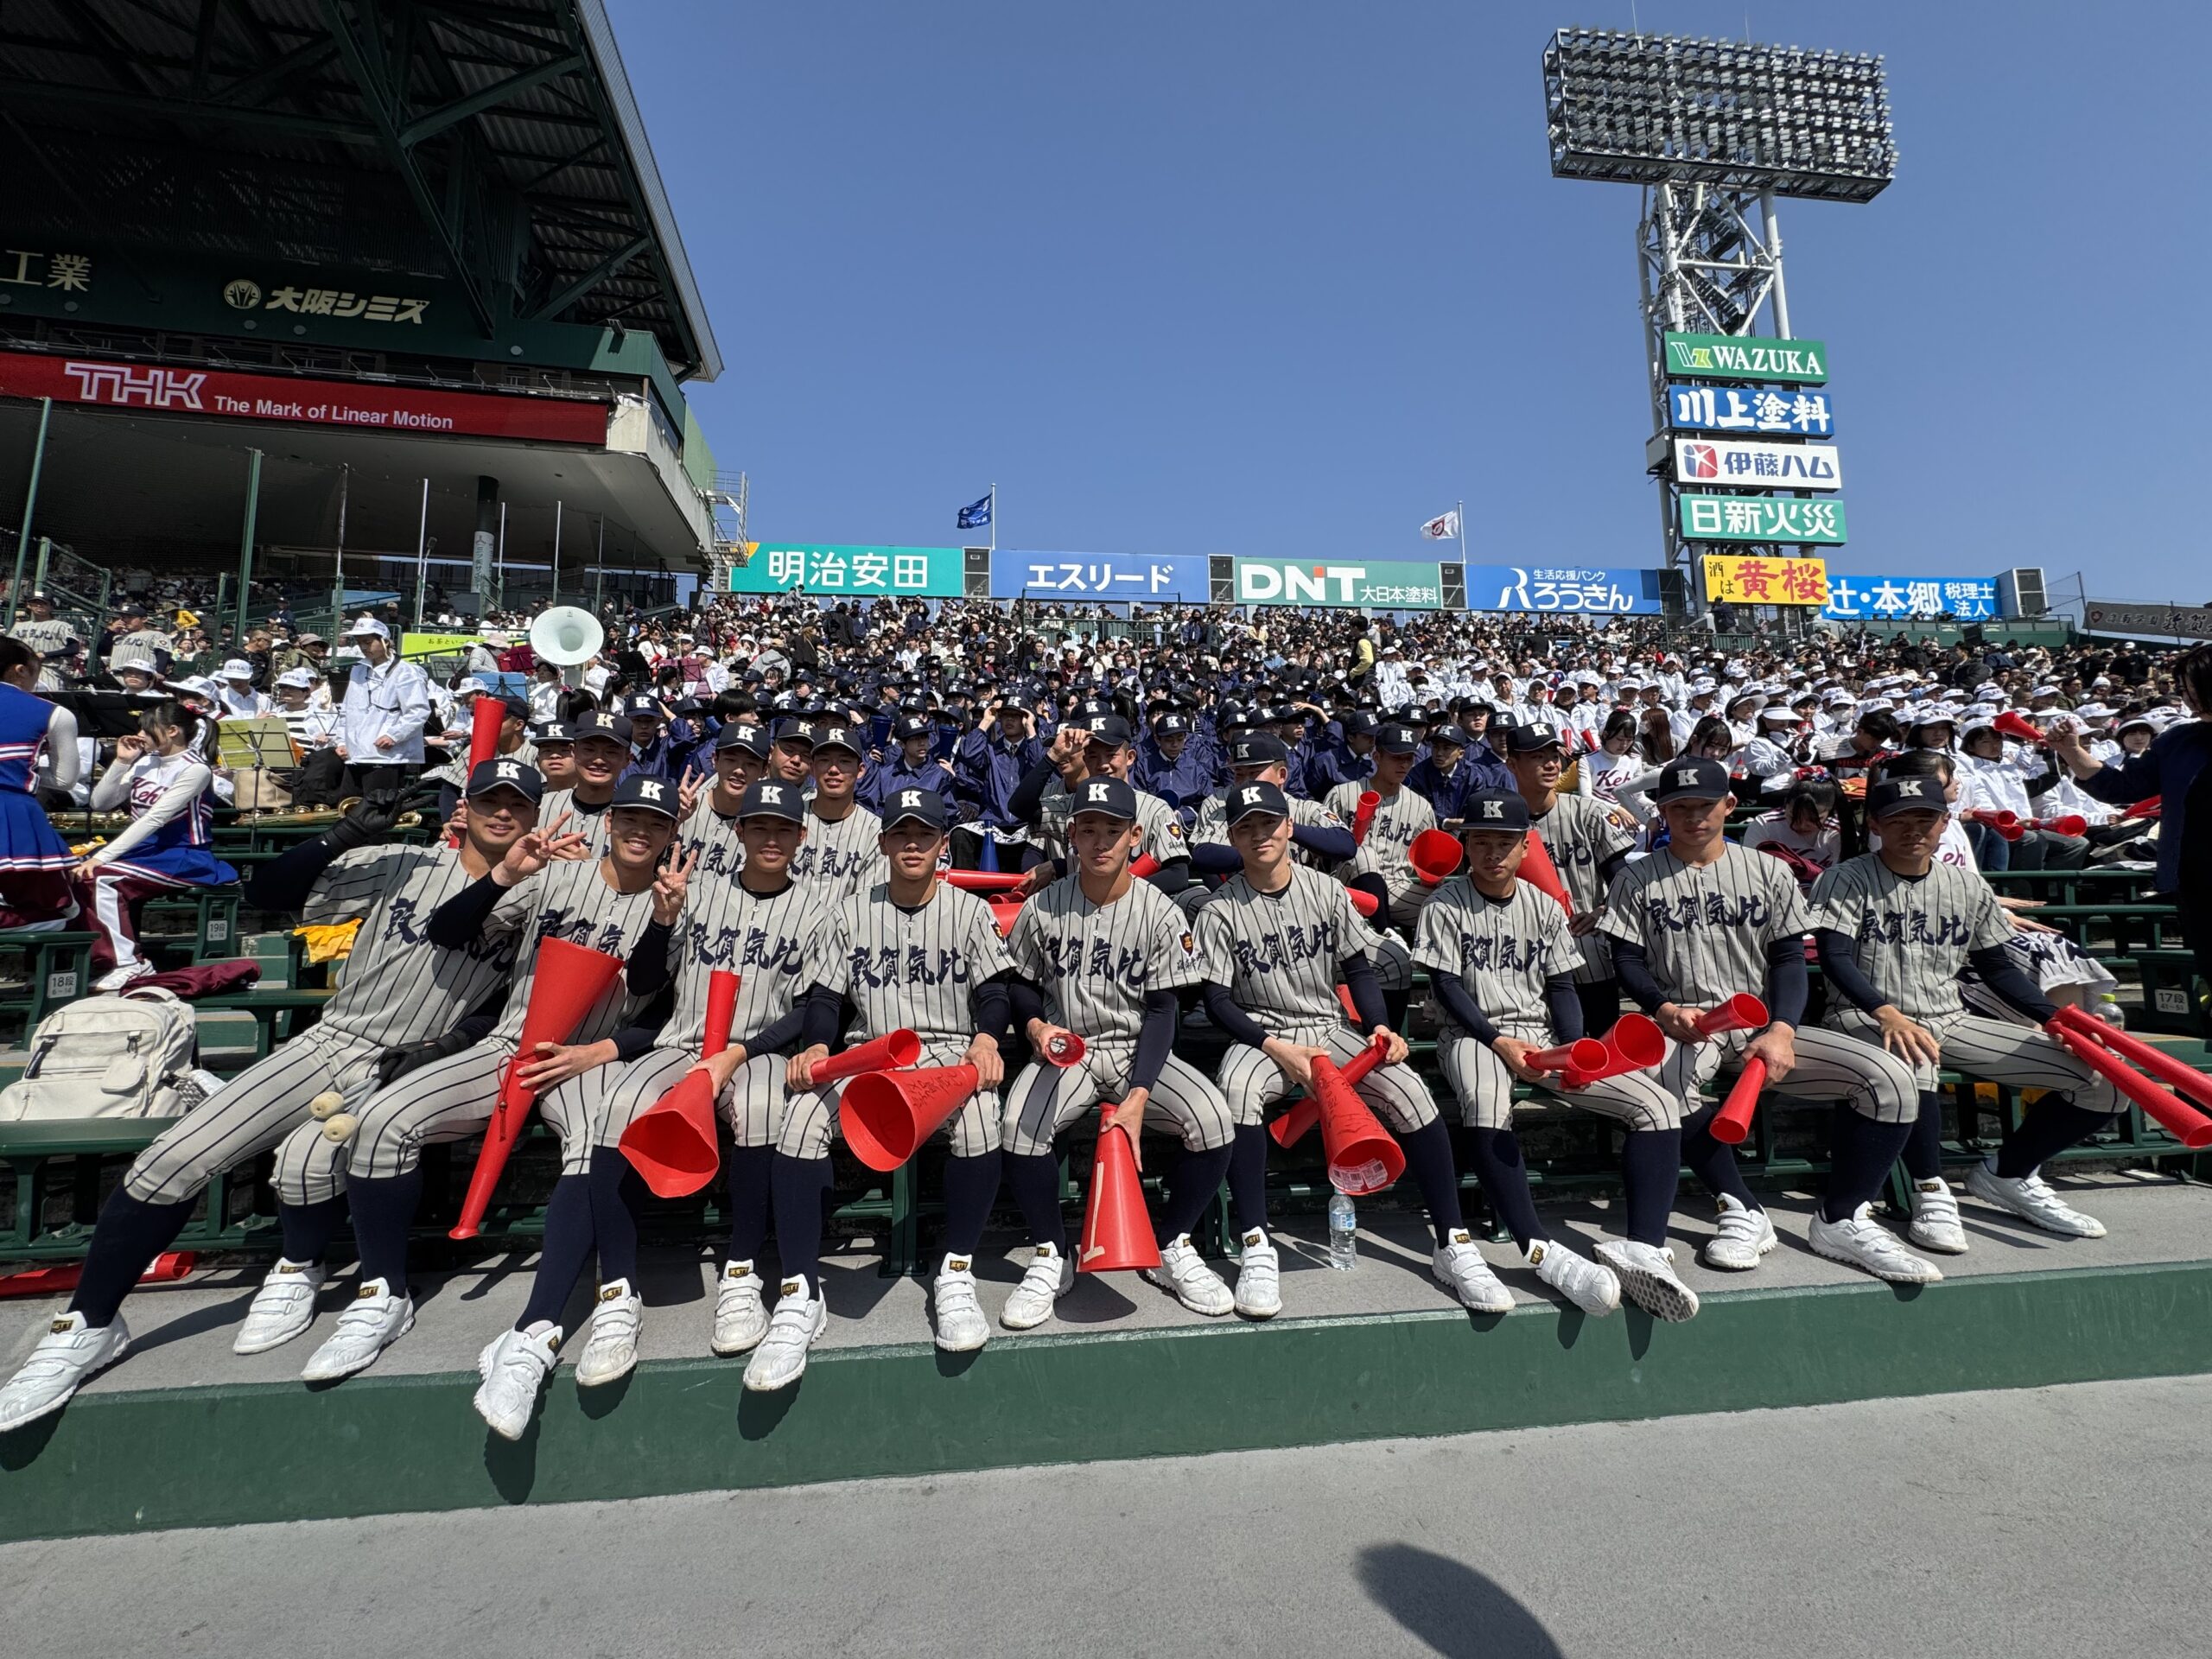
{"x": 568, "y": 637}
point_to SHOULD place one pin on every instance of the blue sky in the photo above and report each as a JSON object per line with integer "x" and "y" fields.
{"x": 1286, "y": 279}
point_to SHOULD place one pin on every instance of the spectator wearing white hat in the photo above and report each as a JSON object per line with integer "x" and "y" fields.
{"x": 235, "y": 694}
{"x": 380, "y": 721}
{"x": 312, "y": 728}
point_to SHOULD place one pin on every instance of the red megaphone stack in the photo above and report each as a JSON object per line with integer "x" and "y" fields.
{"x": 566, "y": 981}
{"x": 1116, "y": 1228}
{"x": 1434, "y": 855}
{"x": 1363, "y": 816}
{"x": 672, "y": 1144}
{"x": 1362, "y": 1156}
{"x": 1634, "y": 1044}
{"x": 2017, "y": 727}
{"x": 1538, "y": 870}
{"x": 887, "y": 1115}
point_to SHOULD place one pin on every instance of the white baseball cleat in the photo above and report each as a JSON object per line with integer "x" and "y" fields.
{"x": 780, "y": 1360}
{"x": 1648, "y": 1278}
{"x": 740, "y": 1317}
{"x": 2031, "y": 1199}
{"x": 1589, "y": 1286}
{"x": 1458, "y": 1263}
{"x": 514, "y": 1369}
{"x": 1259, "y": 1277}
{"x": 282, "y": 1308}
{"x": 610, "y": 1339}
{"x": 1050, "y": 1276}
{"x": 373, "y": 1321}
{"x": 68, "y": 1356}
{"x": 1743, "y": 1236}
{"x": 1858, "y": 1242}
{"x": 1935, "y": 1218}
{"x": 960, "y": 1326}
{"x": 1183, "y": 1273}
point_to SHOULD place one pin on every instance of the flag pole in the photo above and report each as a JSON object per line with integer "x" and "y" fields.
{"x": 1460, "y": 519}
{"x": 994, "y": 518}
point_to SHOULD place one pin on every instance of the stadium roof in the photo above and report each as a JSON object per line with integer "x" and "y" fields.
{"x": 495, "y": 142}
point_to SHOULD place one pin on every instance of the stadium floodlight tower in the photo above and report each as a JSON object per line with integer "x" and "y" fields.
{"x": 1713, "y": 131}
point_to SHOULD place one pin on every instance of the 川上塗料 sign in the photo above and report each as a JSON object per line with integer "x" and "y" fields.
{"x": 1857, "y": 599}
{"x": 1384, "y": 585}
{"x": 1562, "y": 587}
{"x": 1765, "y": 581}
{"x": 1761, "y": 518}
{"x": 823, "y": 569}
{"x": 1747, "y": 357}
{"x": 1799, "y": 414}
{"x": 1017, "y": 574}
{"x": 1755, "y": 466}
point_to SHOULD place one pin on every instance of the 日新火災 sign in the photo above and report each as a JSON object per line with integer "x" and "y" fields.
{"x": 1385, "y": 585}
{"x": 1151, "y": 579}
{"x": 1562, "y": 587}
{"x": 1859, "y": 598}
{"x": 1761, "y": 518}
{"x": 1747, "y": 357}
{"x": 841, "y": 569}
{"x": 1765, "y": 581}
{"x": 1799, "y": 413}
{"x": 1722, "y": 462}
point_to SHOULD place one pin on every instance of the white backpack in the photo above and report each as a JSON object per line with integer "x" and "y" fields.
{"x": 125, "y": 1055}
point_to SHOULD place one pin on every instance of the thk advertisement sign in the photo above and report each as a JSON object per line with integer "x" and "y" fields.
{"x": 1382, "y": 585}
{"x": 1761, "y": 518}
{"x": 1796, "y": 414}
{"x": 1720, "y": 462}
{"x": 1134, "y": 577}
{"x": 1747, "y": 357}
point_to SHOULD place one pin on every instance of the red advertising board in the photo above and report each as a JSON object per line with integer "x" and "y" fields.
{"x": 229, "y": 395}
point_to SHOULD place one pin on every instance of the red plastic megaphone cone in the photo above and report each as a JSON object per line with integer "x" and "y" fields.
{"x": 1434, "y": 855}
{"x": 2018, "y": 727}
{"x": 1364, "y": 901}
{"x": 1734, "y": 1120}
{"x": 1005, "y": 913}
{"x": 1116, "y": 1228}
{"x": 2007, "y": 824}
{"x": 1067, "y": 1049}
{"x": 1143, "y": 866}
{"x": 1363, "y": 816}
{"x": 483, "y": 722}
{"x": 1538, "y": 870}
{"x": 1362, "y": 1156}
{"x": 672, "y": 1144}
{"x": 566, "y": 980}
{"x": 2067, "y": 824}
{"x": 1290, "y": 1128}
{"x": 1584, "y": 1054}
{"x": 983, "y": 880}
{"x": 2164, "y": 1108}
{"x": 1634, "y": 1044}
{"x": 885, "y": 1054}
{"x": 1742, "y": 1012}
{"x": 887, "y": 1114}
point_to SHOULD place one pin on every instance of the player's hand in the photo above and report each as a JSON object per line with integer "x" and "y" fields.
{"x": 84, "y": 869}
{"x": 1585, "y": 922}
{"x": 557, "y": 1062}
{"x": 1907, "y": 1038}
{"x": 1129, "y": 1116}
{"x": 1296, "y": 1059}
{"x": 535, "y": 850}
{"x": 131, "y": 745}
{"x": 1777, "y": 1046}
{"x": 1679, "y": 1023}
{"x": 800, "y": 1074}
{"x": 670, "y": 885}
{"x": 1515, "y": 1054}
{"x": 457, "y": 822}
{"x": 1035, "y": 879}
{"x": 723, "y": 1066}
{"x": 990, "y": 1065}
{"x": 1397, "y": 1048}
{"x": 2029, "y": 925}
{"x": 688, "y": 791}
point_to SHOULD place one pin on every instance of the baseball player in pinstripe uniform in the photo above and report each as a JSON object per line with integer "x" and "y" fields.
{"x": 602, "y": 754}
{"x": 1701, "y": 920}
{"x": 1100, "y": 750}
{"x": 908, "y": 953}
{"x": 1500, "y": 963}
{"x": 532, "y": 894}
{"x": 1102, "y": 955}
{"x": 1379, "y": 865}
{"x": 741, "y": 761}
{"x": 1273, "y": 942}
{"x": 1261, "y": 758}
{"x": 1896, "y": 928}
{"x": 553, "y": 748}
{"x": 1588, "y": 841}
{"x": 842, "y": 854}
{"x": 398, "y": 993}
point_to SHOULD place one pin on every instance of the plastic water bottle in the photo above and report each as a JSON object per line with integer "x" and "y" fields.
{"x": 1344, "y": 1233}
{"x": 2108, "y": 1010}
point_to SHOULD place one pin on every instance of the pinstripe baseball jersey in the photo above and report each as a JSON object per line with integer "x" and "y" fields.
{"x": 840, "y": 859}
{"x": 570, "y": 900}
{"x": 1580, "y": 834}
{"x": 777, "y": 944}
{"x": 589, "y": 821}
{"x": 1095, "y": 963}
{"x": 715, "y": 840}
{"x": 1213, "y": 826}
{"x": 1278, "y": 952}
{"x": 1705, "y": 931}
{"x": 1913, "y": 935}
{"x": 1503, "y": 949}
{"x": 1163, "y": 831}
{"x": 397, "y": 986}
{"x": 1398, "y": 819}
{"x": 915, "y": 968}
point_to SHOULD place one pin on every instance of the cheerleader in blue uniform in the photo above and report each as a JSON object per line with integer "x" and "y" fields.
{"x": 158, "y": 771}
{"x": 35, "y": 862}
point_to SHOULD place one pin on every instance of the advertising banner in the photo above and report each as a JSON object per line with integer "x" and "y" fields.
{"x": 1019, "y": 574}
{"x": 2174, "y": 621}
{"x": 1747, "y": 357}
{"x": 1761, "y": 518}
{"x": 1562, "y": 587}
{"x": 1765, "y": 581}
{"x": 1801, "y": 414}
{"x": 1862, "y": 599}
{"x": 837, "y": 570}
{"x": 222, "y": 393}
{"x": 1756, "y": 465}
{"x": 1384, "y": 585}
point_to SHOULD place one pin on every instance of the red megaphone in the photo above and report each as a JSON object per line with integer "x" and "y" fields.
{"x": 2148, "y": 807}
{"x": 888, "y": 1052}
{"x": 1742, "y": 1012}
{"x": 1364, "y": 901}
{"x": 2184, "y": 1080}
{"x": 672, "y": 1144}
{"x": 1290, "y": 1128}
{"x": 1116, "y": 1228}
{"x": 1144, "y": 865}
{"x": 1434, "y": 855}
{"x": 1005, "y": 913}
{"x": 59, "y": 1281}
{"x": 1361, "y": 1154}
{"x": 2172, "y": 1114}
{"x": 1067, "y": 1049}
{"x": 887, "y": 1114}
{"x": 1584, "y": 1054}
{"x": 2007, "y": 824}
{"x": 1634, "y": 1044}
{"x": 2017, "y": 727}
{"x": 1363, "y": 816}
{"x": 1538, "y": 870}
{"x": 1734, "y": 1120}
{"x": 2067, "y": 824}
{"x": 983, "y": 880}
{"x": 567, "y": 979}
{"x": 483, "y": 722}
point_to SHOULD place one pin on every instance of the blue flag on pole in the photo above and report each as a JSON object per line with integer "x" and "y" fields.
{"x": 975, "y": 515}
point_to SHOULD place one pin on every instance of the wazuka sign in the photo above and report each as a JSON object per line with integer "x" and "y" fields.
{"x": 1732, "y": 357}
{"x": 1402, "y": 586}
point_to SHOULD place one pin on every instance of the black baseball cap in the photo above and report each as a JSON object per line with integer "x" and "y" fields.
{"x": 1108, "y": 795}
{"x": 553, "y": 731}
{"x": 1451, "y": 734}
{"x": 1245, "y": 800}
{"x": 599, "y": 723}
{"x": 838, "y": 737}
{"x": 1396, "y": 739}
{"x": 752, "y": 739}
{"x": 916, "y": 726}
{"x": 1261, "y": 749}
{"x": 924, "y": 806}
{"x": 1111, "y": 730}
{"x": 1494, "y": 812}
{"x": 1894, "y": 795}
{"x": 791, "y": 728}
{"x": 773, "y": 800}
{"x": 1698, "y": 778}
{"x": 1171, "y": 725}
{"x": 1358, "y": 722}
{"x": 1532, "y": 738}
{"x": 497, "y": 773}
{"x": 647, "y": 706}
{"x": 645, "y": 793}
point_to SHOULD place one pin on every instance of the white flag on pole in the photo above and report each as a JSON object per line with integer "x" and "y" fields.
{"x": 1445, "y": 527}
